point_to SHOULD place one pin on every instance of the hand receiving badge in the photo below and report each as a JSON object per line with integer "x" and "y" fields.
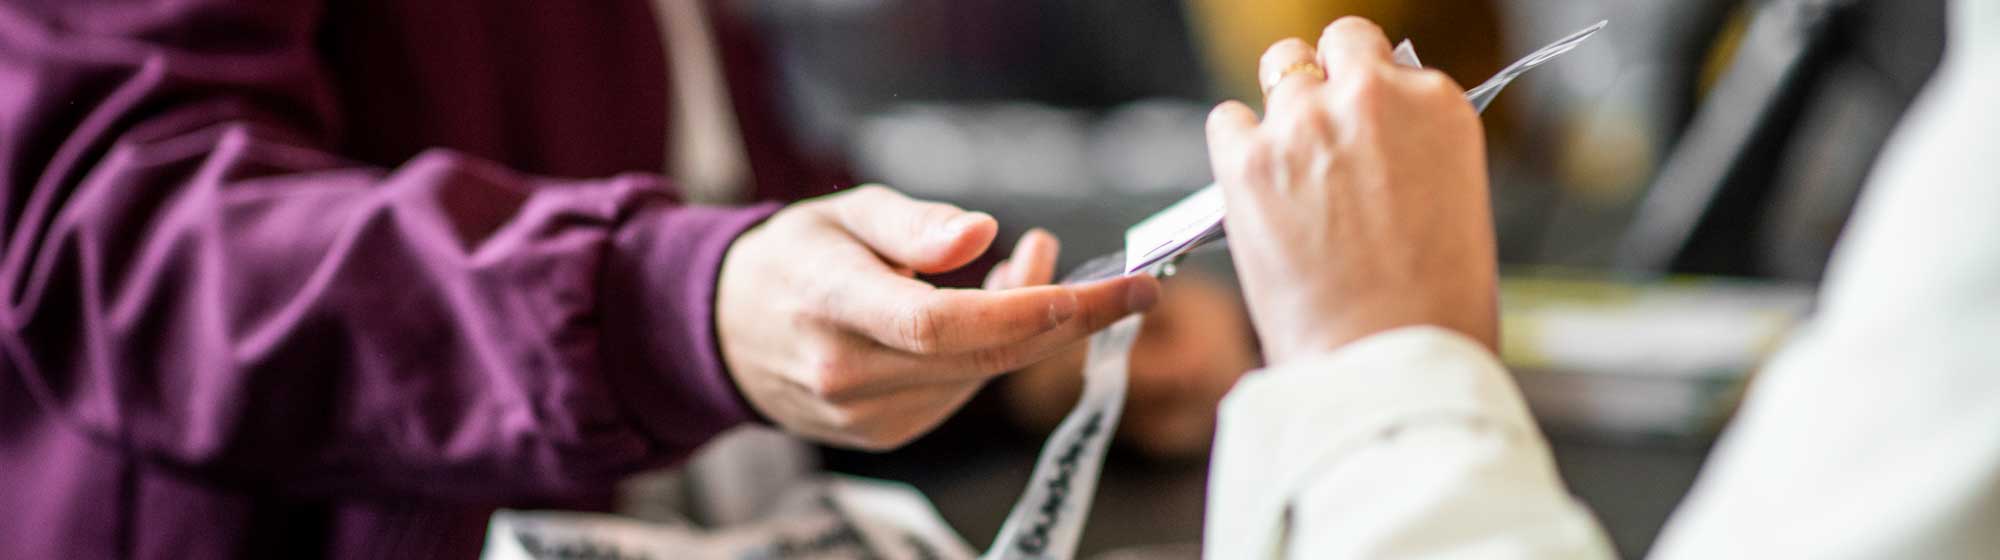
{"x": 1391, "y": 162}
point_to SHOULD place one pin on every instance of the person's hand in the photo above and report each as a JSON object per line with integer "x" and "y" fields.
{"x": 1359, "y": 203}
{"x": 1190, "y": 351}
{"x": 827, "y": 333}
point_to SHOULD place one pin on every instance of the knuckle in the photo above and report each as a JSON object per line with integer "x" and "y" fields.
{"x": 1312, "y": 117}
{"x": 831, "y": 375}
{"x": 917, "y": 327}
{"x": 1256, "y": 159}
{"x": 1362, "y": 94}
{"x": 1368, "y": 83}
{"x": 1435, "y": 88}
{"x": 1308, "y": 128}
{"x": 1348, "y": 68}
{"x": 1255, "y": 178}
{"x": 1278, "y": 117}
{"x": 1437, "y": 82}
{"x": 1321, "y": 164}
{"x": 815, "y": 305}
{"x": 820, "y": 383}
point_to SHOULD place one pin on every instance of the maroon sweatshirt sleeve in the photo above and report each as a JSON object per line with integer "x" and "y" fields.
{"x": 191, "y": 275}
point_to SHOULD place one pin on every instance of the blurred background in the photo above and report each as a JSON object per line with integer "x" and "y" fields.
{"x": 1666, "y": 196}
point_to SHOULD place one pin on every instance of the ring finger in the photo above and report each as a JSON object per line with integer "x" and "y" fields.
{"x": 1288, "y": 64}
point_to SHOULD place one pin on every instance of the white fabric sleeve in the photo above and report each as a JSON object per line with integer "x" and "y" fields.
{"x": 1876, "y": 433}
{"x": 1412, "y": 442}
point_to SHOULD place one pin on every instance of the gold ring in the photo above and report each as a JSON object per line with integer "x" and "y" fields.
{"x": 1296, "y": 67}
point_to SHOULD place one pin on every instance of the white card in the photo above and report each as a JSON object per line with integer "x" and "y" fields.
{"x": 1176, "y": 229}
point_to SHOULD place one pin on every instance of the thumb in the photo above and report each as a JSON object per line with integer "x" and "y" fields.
{"x": 928, "y": 237}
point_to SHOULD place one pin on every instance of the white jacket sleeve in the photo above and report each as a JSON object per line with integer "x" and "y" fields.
{"x": 1876, "y": 432}
{"x": 1407, "y": 443}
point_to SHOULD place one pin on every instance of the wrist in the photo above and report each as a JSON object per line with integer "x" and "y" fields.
{"x": 1476, "y": 320}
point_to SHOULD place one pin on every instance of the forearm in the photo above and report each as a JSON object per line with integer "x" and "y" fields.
{"x": 1405, "y": 443}
{"x": 441, "y": 324}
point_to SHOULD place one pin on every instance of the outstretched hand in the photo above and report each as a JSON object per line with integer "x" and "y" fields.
{"x": 828, "y": 333}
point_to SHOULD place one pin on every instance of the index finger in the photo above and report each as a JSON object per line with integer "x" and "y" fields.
{"x": 912, "y": 316}
{"x": 1103, "y": 303}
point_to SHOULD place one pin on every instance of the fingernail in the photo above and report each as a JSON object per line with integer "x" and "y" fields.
{"x": 1061, "y": 310}
{"x": 1140, "y": 295}
{"x": 957, "y": 226}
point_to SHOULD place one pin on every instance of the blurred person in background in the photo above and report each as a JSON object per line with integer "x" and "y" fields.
{"x": 1386, "y": 427}
{"x": 284, "y": 277}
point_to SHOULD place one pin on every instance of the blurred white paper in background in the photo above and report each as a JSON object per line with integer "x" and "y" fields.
{"x": 1631, "y": 360}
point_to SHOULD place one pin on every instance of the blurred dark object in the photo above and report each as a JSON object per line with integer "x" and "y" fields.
{"x": 843, "y": 60}
{"x": 1764, "y": 178}
{"x": 1597, "y": 123}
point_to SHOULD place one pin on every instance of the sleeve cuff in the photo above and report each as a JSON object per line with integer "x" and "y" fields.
{"x": 1280, "y": 427}
{"x": 1386, "y": 377}
{"x": 664, "y": 365}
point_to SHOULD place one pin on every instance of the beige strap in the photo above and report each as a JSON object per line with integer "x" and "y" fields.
{"x": 705, "y": 152}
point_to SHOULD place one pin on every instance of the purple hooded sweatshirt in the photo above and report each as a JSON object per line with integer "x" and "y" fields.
{"x": 292, "y": 278}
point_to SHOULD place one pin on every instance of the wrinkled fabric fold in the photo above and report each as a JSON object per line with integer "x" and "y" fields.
{"x": 266, "y": 285}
